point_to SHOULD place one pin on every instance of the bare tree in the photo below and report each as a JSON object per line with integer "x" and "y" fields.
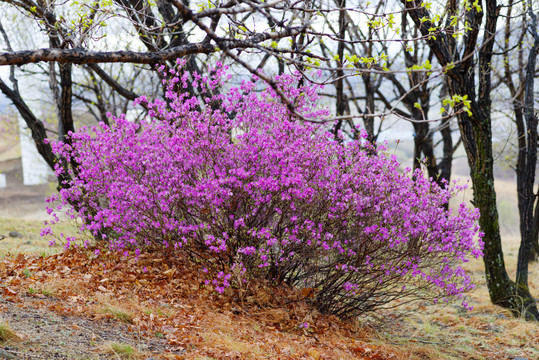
{"x": 522, "y": 96}
{"x": 469, "y": 73}
{"x": 165, "y": 31}
{"x": 358, "y": 46}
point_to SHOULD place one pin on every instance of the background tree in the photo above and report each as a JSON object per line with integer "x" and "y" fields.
{"x": 520, "y": 80}
{"x": 360, "y": 45}
{"x": 469, "y": 74}
{"x": 526, "y": 123}
{"x": 75, "y": 33}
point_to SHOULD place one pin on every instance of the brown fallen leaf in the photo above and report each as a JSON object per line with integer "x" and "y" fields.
{"x": 314, "y": 354}
{"x": 10, "y": 292}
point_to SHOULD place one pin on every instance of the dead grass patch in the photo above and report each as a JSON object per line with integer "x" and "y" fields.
{"x": 119, "y": 313}
{"x": 7, "y": 334}
{"x": 31, "y": 242}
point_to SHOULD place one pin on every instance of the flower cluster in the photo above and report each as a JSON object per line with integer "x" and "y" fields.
{"x": 234, "y": 179}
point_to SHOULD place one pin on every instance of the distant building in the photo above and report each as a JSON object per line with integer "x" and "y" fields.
{"x": 35, "y": 170}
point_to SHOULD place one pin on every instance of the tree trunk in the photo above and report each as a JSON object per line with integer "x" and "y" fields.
{"x": 476, "y": 134}
{"x": 423, "y": 145}
{"x": 527, "y": 158}
{"x": 502, "y": 290}
{"x": 447, "y": 159}
{"x": 339, "y": 85}
{"x": 534, "y": 253}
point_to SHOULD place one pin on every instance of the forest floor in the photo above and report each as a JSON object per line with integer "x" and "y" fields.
{"x": 57, "y": 304}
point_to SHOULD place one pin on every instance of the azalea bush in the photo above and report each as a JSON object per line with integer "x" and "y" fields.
{"x": 241, "y": 185}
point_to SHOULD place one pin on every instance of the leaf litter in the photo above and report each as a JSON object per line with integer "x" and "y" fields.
{"x": 70, "y": 305}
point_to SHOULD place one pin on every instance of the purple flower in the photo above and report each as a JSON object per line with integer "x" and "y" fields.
{"x": 266, "y": 190}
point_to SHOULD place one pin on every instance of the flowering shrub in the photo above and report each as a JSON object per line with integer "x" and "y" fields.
{"x": 246, "y": 188}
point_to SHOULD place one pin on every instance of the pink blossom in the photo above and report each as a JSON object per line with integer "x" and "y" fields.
{"x": 236, "y": 176}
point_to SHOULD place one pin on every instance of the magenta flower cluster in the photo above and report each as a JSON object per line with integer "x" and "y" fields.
{"x": 233, "y": 179}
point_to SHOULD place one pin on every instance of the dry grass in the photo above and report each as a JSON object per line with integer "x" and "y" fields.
{"x": 52, "y": 287}
{"x": 118, "y": 312}
{"x": 9, "y": 141}
{"x": 486, "y": 332}
{"x": 31, "y": 242}
{"x": 13, "y": 152}
{"x": 7, "y": 334}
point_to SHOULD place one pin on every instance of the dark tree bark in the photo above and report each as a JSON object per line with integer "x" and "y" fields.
{"x": 66, "y": 124}
{"x": 527, "y": 160}
{"x": 445, "y": 166}
{"x": 534, "y": 254}
{"x": 341, "y": 101}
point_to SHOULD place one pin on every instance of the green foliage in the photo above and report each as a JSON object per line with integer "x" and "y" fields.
{"x": 456, "y": 100}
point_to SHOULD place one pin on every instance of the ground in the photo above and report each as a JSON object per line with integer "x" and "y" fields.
{"x": 75, "y": 305}
{"x": 49, "y": 334}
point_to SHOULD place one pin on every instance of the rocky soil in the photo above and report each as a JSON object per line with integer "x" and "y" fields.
{"x": 45, "y": 334}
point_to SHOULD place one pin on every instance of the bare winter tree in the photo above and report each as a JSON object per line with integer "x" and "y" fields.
{"x": 527, "y": 157}
{"x": 468, "y": 73}
{"x": 142, "y": 33}
{"x": 416, "y": 94}
{"x": 363, "y": 45}
{"x": 519, "y": 77}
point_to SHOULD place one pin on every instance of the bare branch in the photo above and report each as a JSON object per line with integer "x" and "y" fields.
{"x": 83, "y": 56}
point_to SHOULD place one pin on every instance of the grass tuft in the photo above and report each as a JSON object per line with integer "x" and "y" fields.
{"x": 7, "y": 334}
{"x": 122, "y": 315}
{"x": 123, "y": 351}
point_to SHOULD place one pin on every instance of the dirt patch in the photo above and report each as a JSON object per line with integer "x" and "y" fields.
{"x": 49, "y": 335}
